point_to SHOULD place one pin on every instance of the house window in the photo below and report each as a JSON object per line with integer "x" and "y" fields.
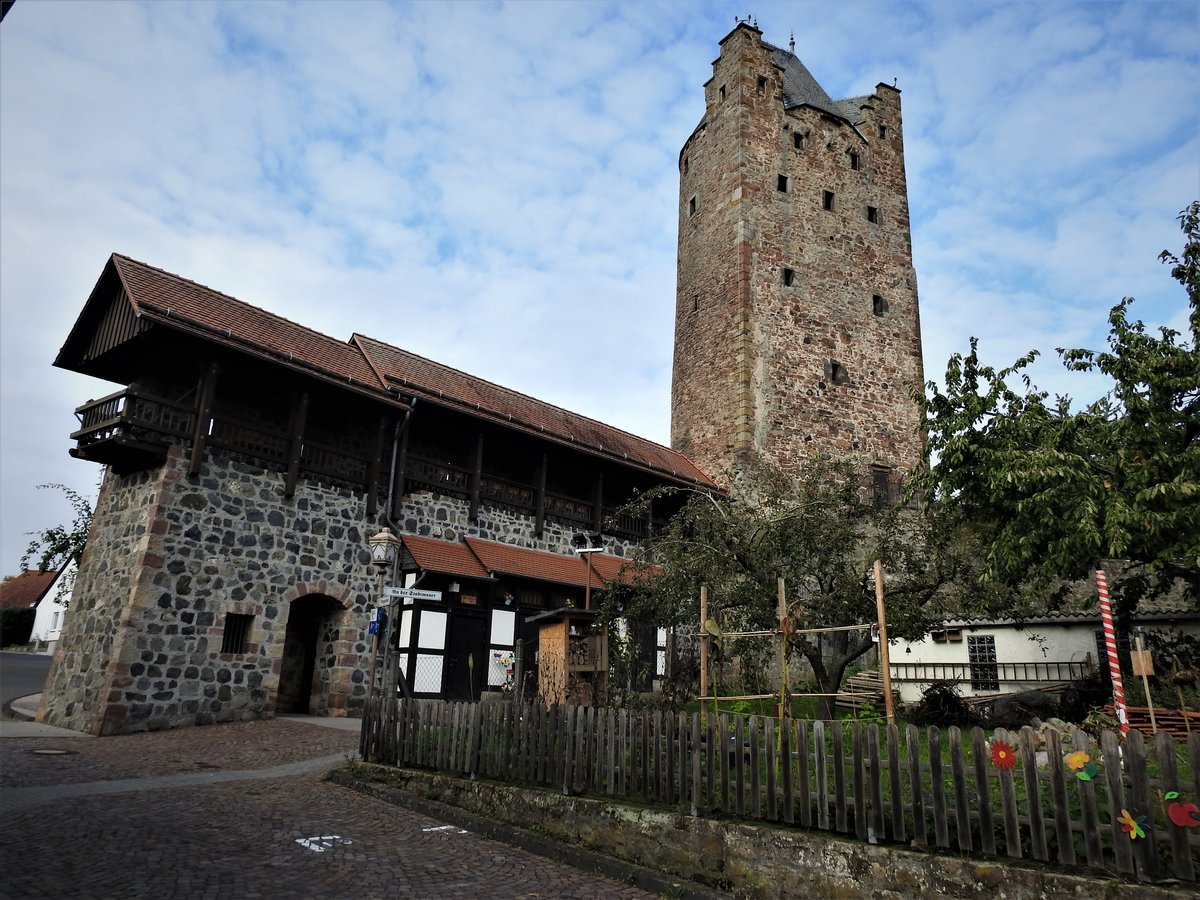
{"x": 838, "y": 374}
{"x": 237, "y": 633}
{"x": 878, "y": 305}
{"x": 799, "y": 141}
{"x": 827, "y": 201}
{"x": 855, "y": 162}
{"x": 692, "y": 206}
{"x": 781, "y": 183}
{"x": 881, "y": 486}
{"x": 981, "y": 654}
{"x": 789, "y": 276}
{"x": 762, "y": 85}
{"x": 883, "y": 131}
{"x": 873, "y": 215}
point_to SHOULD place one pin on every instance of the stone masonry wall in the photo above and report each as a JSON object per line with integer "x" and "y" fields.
{"x": 754, "y": 355}
{"x": 169, "y": 557}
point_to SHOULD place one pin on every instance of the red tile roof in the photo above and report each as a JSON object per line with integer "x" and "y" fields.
{"x": 448, "y": 557}
{"x": 376, "y": 367}
{"x": 25, "y": 589}
{"x": 505, "y": 559}
{"x": 434, "y": 381}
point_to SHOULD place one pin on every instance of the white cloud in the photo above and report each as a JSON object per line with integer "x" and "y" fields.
{"x": 494, "y": 185}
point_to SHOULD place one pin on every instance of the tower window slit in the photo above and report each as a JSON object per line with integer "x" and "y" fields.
{"x": 789, "y": 277}
{"x": 799, "y": 140}
{"x": 878, "y": 305}
{"x": 855, "y": 162}
{"x": 827, "y": 201}
{"x": 692, "y": 206}
{"x": 782, "y": 183}
{"x": 873, "y": 215}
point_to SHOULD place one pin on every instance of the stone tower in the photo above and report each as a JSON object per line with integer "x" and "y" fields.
{"x": 796, "y": 322}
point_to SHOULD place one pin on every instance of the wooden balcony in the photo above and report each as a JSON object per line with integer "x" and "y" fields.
{"x": 130, "y": 430}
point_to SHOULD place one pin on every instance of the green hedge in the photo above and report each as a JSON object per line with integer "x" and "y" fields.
{"x": 16, "y": 625}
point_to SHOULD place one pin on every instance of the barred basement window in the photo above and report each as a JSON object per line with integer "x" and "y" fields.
{"x": 981, "y": 654}
{"x": 873, "y": 215}
{"x": 789, "y": 276}
{"x": 236, "y": 633}
{"x": 782, "y": 183}
{"x": 827, "y": 201}
{"x": 799, "y": 141}
{"x": 878, "y": 305}
{"x": 855, "y": 162}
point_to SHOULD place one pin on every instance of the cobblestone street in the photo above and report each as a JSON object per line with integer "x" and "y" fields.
{"x": 198, "y": 824}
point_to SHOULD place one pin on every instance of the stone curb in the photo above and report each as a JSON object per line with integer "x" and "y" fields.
{"x": 577, "y": 857}
{"x": 17, "y": 799}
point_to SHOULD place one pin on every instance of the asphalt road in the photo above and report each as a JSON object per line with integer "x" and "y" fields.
{"x": 21, "y": 674}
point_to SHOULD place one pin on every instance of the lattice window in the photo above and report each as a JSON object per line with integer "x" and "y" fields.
{"x": 981, "y": 654}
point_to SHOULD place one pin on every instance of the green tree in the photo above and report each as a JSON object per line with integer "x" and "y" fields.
{"x": 1054, "y": 491}
{"x": 820, "y": 532}
{"x": 53, "y": 547}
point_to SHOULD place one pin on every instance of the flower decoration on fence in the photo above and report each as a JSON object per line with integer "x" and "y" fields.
{"x": 1081, "y": 764}
{"x": 1004, "y": 754}
{"x": 1135, "y": 828}
{"x": 1185, "y": 815}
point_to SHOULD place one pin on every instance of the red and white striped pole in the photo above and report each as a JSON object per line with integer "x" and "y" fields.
{"x": 1110, "y": 643}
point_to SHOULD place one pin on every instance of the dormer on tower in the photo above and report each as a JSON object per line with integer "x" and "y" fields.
{"x": 796, "y": 323}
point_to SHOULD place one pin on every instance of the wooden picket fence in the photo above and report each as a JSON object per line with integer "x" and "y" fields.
{"x": 882, "y": 784}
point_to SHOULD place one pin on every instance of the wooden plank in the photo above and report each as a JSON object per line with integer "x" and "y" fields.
{"x": 473, "y": 741}
{"x": 722, "y": 747}
{"x": 624, "y": 755}
{"x": 539, "y": 498}
{"x": 1141, "y": 804}
{"x": 1111, "y": 750}
{"x": 205, "y": 398}
{"x": 1008, "y": 798}
{"x": 568, "y": 750}
{"x": 1088, "y": 813}
{"x": 819, "y": 751}
{"x": 937, "y": 788}
{"x": 802, "y": 772}
{"x": 656, "y": 749}
{"x": 697, "y": 749}
{"x": 1063, "y": 836}
{"x": 983, "y": 791}
{"x": 644, "y": 767}
{"x": 739, "y": 749}
{"x": 839, "y": 777}
{"x": 375, "y": 467}
{"x": 787, "y": 727}
{"x": 962, "y": 805}
{"x": 772, "y": 763}
{"x": 1033, "y": 794}
{"x": 755, "y": 769}
{"x": 875, "y": 797}
{"x": 668, "y": 750}
{"x": 598, "y": 503}
{"x": 1181, "y": 855}
{"x": 714, "y": 746}
{"x": 859, "y": 773}
{"x": 916, "y": 786}
{"x": 685, "y": 760}
{"x": 896, "y": 789}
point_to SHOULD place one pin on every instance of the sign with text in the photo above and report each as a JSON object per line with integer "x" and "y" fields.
{"x": 397, "y": 593}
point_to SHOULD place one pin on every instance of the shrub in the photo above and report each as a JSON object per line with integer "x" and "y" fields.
{"x": 16, "y": 625}
{"x": 941, "y": 704}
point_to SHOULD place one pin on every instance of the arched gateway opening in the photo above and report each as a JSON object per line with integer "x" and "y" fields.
{"x": 309, "y": 655}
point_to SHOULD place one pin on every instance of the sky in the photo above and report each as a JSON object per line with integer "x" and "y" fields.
{"x": 495, "y": 185}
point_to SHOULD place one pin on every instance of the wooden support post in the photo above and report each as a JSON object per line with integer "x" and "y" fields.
{"x": 704, "y": 642}
{"x": 1143, "y": 668}
{"x": 204, "y": 405}
{"x": 540, "y": 497}
{"x": 598, "y": 503}
{"x": 885, "y": 663}
{"x": 376, "y": 464}
{"x": 296, "y": 438}
{"x": 399, "y": 474}
{"x": 476, "y": 480}
{"x": 785, "y": 706}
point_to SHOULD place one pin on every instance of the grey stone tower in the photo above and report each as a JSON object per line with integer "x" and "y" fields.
{"x": 796, "y": 323}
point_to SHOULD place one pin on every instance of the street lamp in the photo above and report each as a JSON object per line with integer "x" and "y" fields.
{"x": 385, "y": 548}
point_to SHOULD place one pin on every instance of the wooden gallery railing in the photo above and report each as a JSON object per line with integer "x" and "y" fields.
{"x": 934, "y": 789}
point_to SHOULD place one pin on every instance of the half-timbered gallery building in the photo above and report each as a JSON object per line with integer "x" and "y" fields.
{"x": 227, "y": 574}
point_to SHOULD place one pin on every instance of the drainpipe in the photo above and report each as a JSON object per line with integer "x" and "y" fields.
{"x": 390, "y": 676}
